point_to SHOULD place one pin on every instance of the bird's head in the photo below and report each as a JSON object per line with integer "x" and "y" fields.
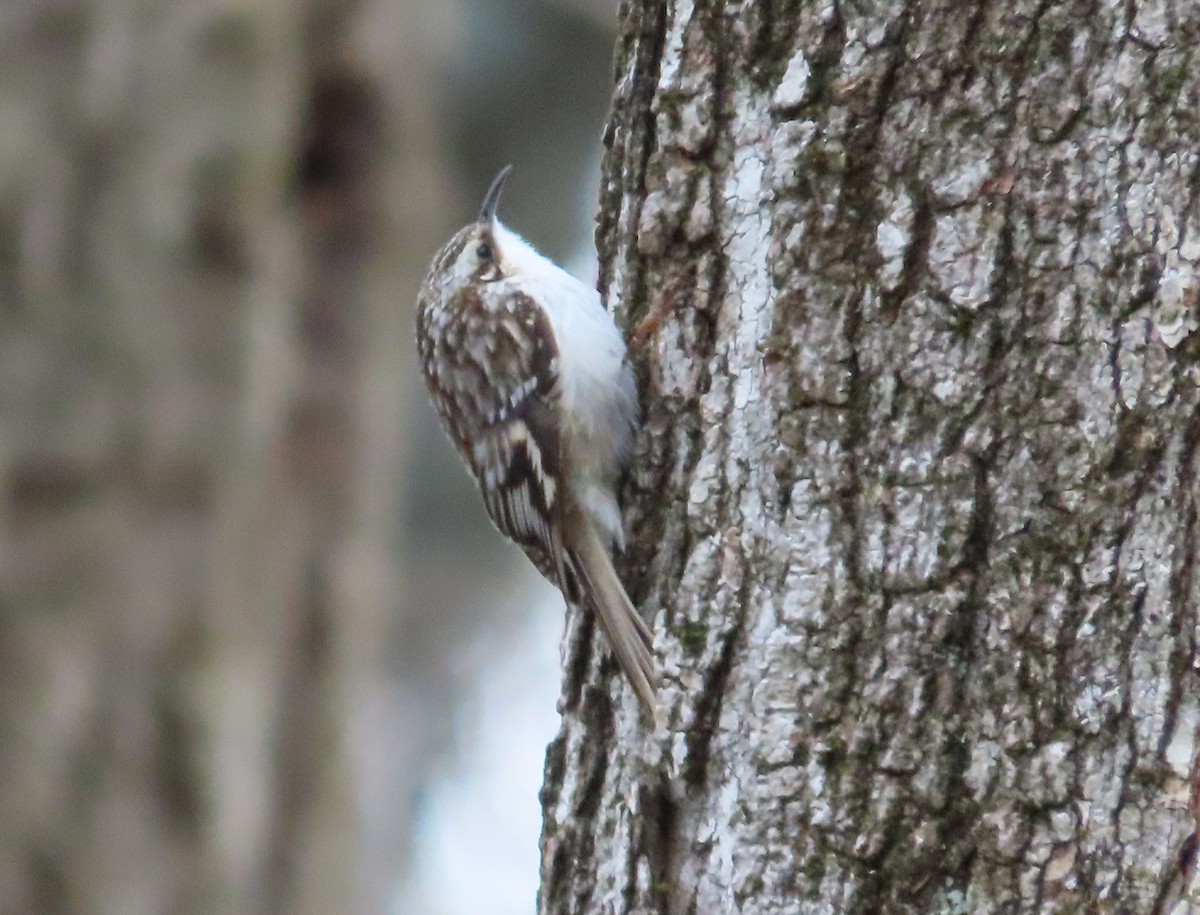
{"x": 486, "y": 250}
{"x": 474, "y": 254}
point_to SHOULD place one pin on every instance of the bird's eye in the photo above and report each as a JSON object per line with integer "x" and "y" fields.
{"x": 484, "y": 251}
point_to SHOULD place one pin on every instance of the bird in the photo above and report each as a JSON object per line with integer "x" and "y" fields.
{"x": 529, "y": 376}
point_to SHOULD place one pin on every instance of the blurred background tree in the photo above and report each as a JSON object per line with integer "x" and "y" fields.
{"x": 243, "y": 581}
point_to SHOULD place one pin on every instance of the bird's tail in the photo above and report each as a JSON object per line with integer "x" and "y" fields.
{"x": 631, "y": 639}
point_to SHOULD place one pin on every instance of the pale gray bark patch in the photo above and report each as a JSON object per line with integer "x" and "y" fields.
{"x": 912, "y": 294}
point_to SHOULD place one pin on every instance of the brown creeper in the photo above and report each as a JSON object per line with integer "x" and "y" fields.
{"x": 527, "y": 371}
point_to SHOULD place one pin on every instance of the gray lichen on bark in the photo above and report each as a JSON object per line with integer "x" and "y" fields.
{"x": 912, "y": 294}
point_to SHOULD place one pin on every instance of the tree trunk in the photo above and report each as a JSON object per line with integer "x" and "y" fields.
{"x": 200, "y": 251}
{"x": 912, "y": 293}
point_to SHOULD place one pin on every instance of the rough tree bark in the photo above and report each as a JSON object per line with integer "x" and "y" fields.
{"x": 912, "y": 293}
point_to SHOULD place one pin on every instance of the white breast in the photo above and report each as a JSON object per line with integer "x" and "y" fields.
{"x": 599, "y": 396}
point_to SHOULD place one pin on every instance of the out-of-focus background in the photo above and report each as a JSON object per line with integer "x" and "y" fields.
{"x": 260, "y": 651}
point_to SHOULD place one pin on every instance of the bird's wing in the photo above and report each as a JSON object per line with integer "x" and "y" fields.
{"x": 493, "y": 373}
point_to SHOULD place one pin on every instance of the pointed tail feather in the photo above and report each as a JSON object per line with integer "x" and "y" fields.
{"x": 630, "y": 637}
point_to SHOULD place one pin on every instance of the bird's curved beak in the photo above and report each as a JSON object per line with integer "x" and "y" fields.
{"x": 487, "y": 212}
